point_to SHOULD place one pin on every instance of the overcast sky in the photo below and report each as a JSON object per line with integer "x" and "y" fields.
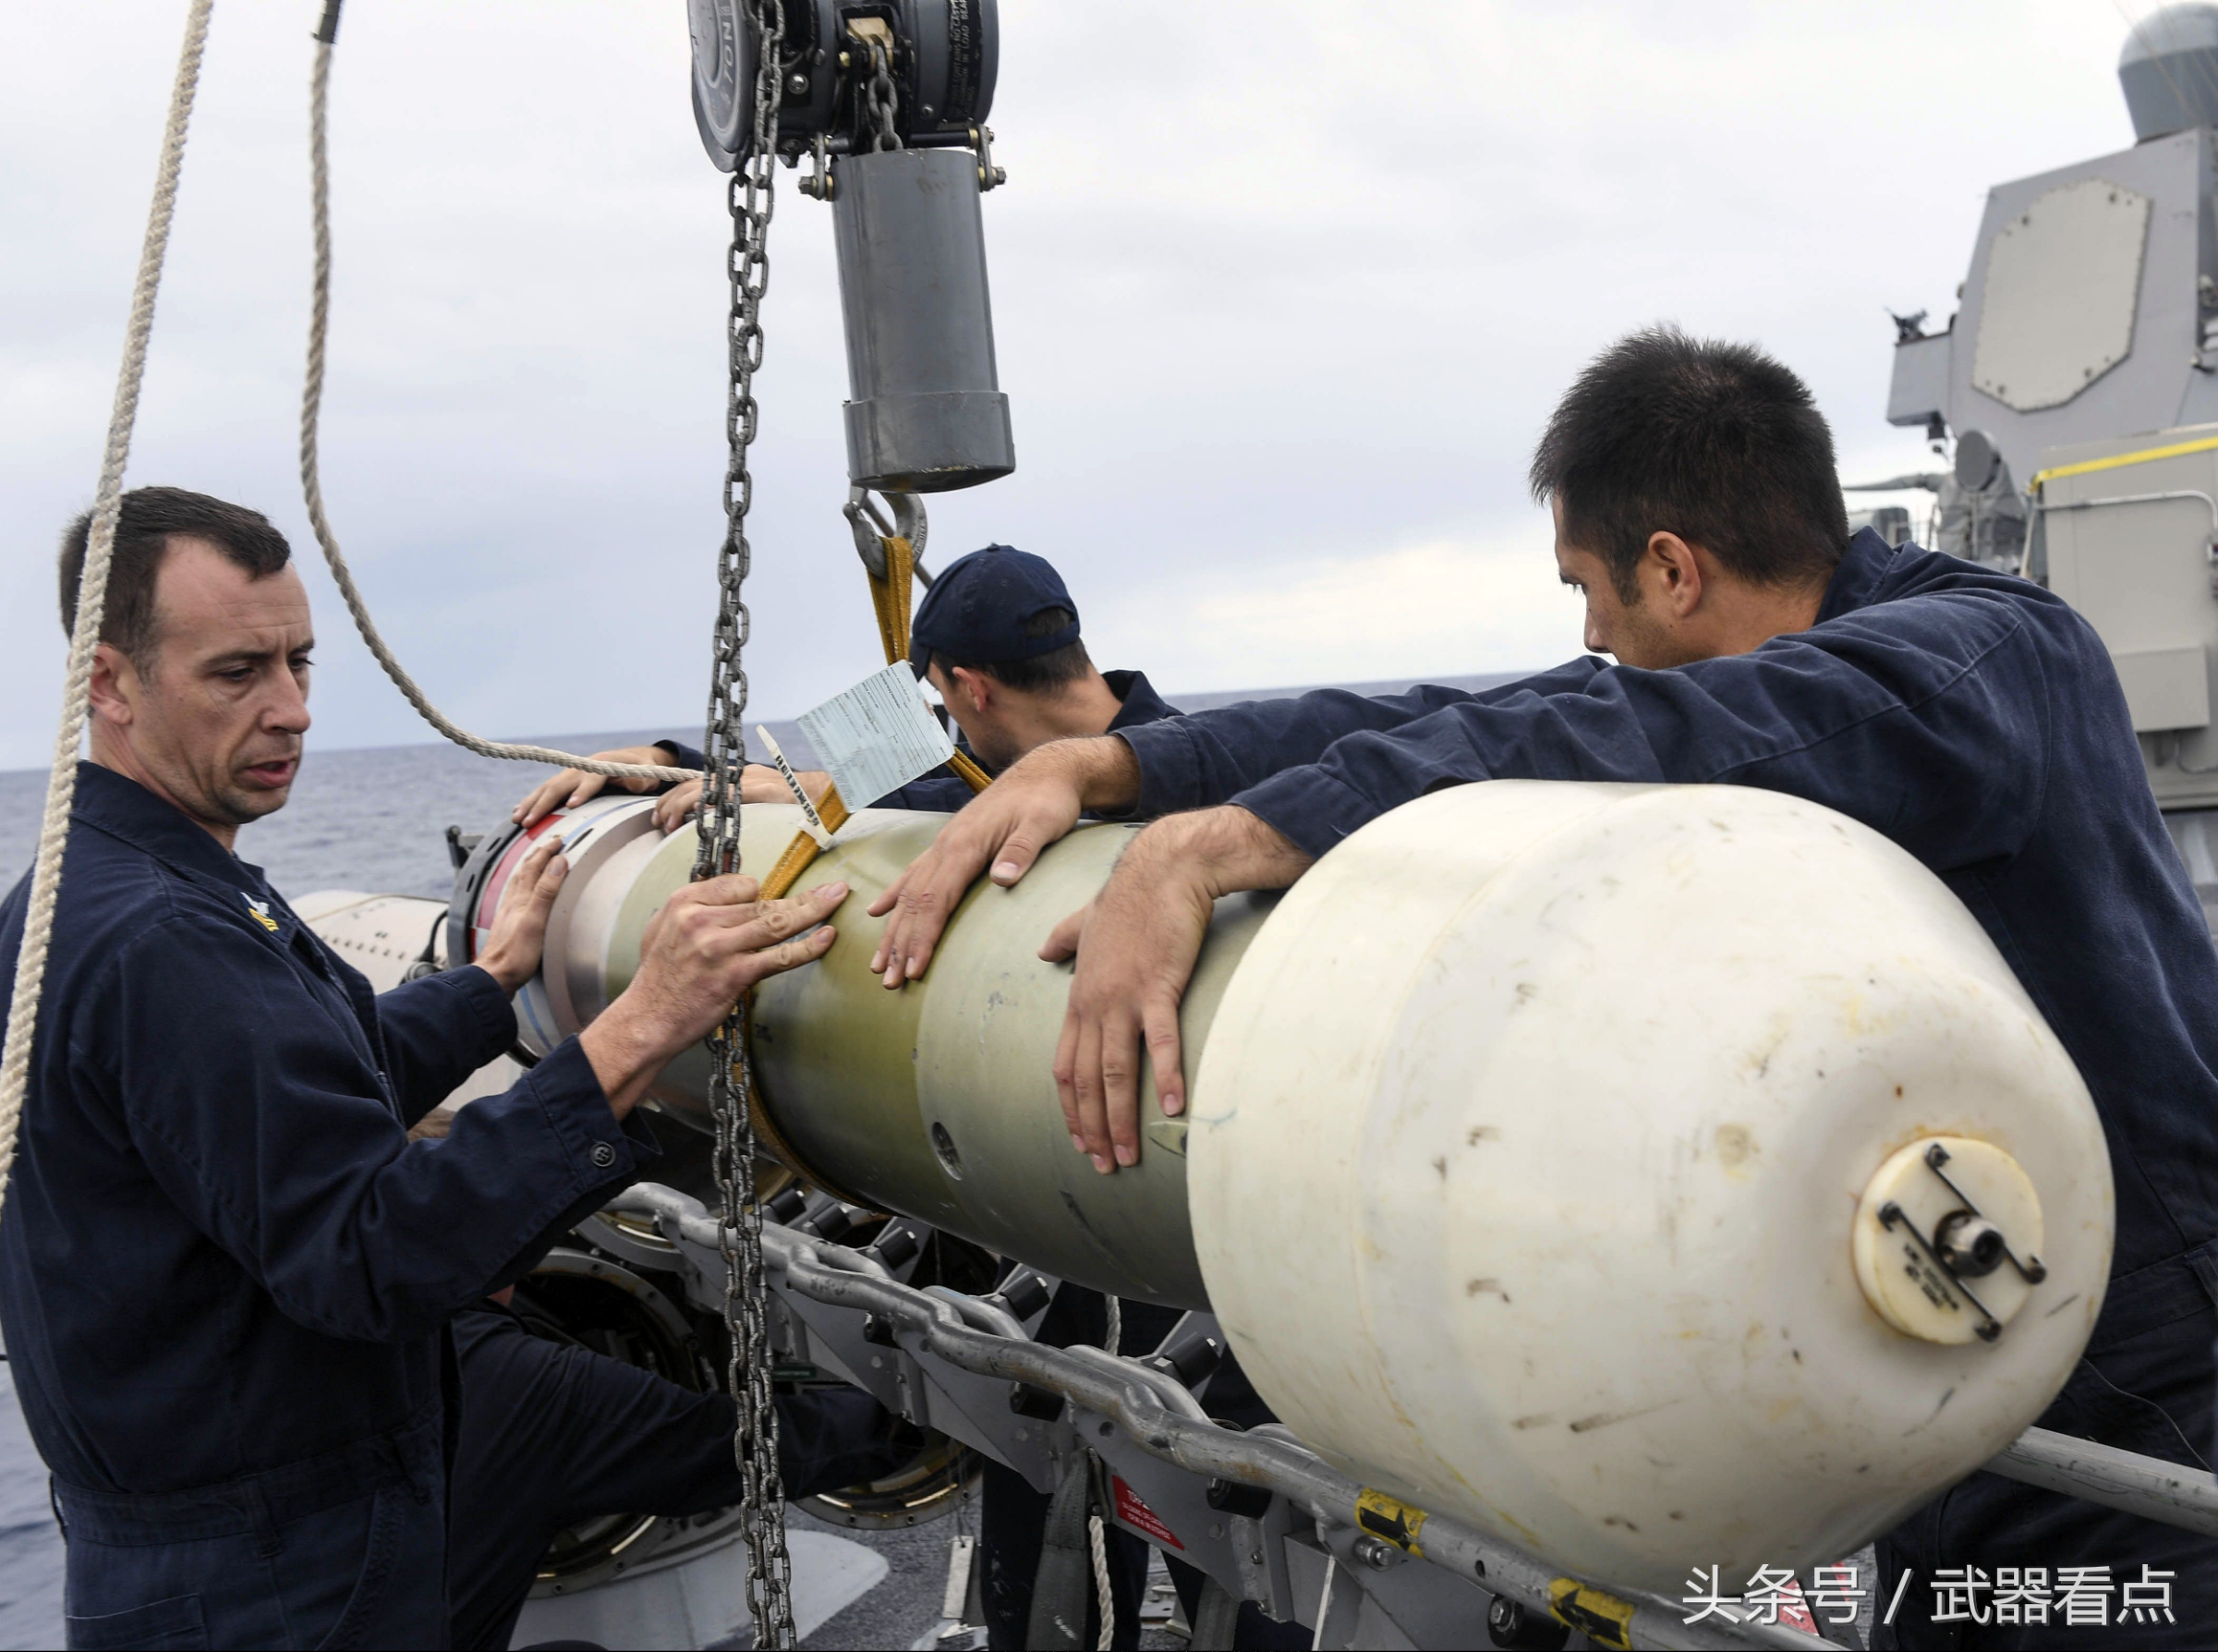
{"x": 1283, "y": 293}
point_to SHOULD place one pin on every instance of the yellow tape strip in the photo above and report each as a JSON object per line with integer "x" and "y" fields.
{"x": 969, "y": 773}
{"x": 832, "y": 809}
{"x": 1599, "y": 1617}
{"x": 1390, "y": 1518}
{"x": 890, "y": 598}
{"x": 2147, "y": 455}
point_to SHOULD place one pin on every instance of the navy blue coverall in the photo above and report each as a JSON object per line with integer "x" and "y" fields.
{"x": 1975, "y": 719}
{"x": 1139, "y": 702}
{"x": 549, "y": 1435}
{"x": 226, "y": 1274}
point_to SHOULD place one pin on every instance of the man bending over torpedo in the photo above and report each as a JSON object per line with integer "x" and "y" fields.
{"x": 997, "y": 638}
{"x": 1970, "y": 716}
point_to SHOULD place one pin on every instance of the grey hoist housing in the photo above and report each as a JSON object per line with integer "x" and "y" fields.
{"x": 924, "y": 412}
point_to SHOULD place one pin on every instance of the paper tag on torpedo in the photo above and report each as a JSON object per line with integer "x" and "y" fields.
{"x": 878, "y": 736}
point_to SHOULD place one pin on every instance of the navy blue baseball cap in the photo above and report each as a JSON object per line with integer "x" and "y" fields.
{"x": 977, "y": 611}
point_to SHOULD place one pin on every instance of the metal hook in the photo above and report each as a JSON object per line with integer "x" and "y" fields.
{"x": 871, "y": 529}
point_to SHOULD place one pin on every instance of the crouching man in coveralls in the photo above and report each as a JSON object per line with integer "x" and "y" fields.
{"x": 1971, "y": 716}
{"x": 226, "y": 1272}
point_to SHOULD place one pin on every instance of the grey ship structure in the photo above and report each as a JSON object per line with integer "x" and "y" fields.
{"x": 2077, "y": 385}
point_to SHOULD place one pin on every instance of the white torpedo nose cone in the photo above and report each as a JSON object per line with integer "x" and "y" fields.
{"x": 1529, "y": 1143}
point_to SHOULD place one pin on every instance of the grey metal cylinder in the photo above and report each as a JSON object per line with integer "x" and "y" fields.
{"x": 926, "y": 413}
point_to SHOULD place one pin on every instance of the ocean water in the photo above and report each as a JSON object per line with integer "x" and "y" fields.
{"x": 376, "y": 818}
{"x": 371, "y": 820}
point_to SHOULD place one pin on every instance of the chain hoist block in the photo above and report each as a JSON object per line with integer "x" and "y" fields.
{"x": 889, "y": 100}
{"x": 945, "y": 55}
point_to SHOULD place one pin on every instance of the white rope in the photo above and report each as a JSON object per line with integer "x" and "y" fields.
{"x": 1112, "y": 1341}
{"x": 1106, "y": 1638}
{"x": 311, "y": 407}
{"x": 92, "y": 599}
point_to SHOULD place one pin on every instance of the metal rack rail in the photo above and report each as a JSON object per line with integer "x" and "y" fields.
{"x": 1264, "y": 1518}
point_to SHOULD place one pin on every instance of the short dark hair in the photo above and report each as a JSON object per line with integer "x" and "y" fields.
{"x": 150, "y": 516}
{"x": 1715, "y": 443}
{"x": 1041, "y": 674}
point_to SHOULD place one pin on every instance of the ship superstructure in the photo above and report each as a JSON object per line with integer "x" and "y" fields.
{"x": 2076, "y": 388}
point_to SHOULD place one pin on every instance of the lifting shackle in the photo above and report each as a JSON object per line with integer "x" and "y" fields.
{"x": 891, "y": 97}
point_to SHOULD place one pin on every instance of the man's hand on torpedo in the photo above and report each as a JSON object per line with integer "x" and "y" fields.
{"x": 758, "y": 783}
{"x": 571, "y": 787}
{"x": 1035, "y": 801}
{"x": 708, "y": 945}
{"x": 1135, "y": 947}
{"x": 511, "y": 952}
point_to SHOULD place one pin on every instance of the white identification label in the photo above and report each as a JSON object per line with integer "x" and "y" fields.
{"x": 878, "y": 736}
{"x": 812, "y": 822}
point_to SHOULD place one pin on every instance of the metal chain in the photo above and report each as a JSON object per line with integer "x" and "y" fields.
{"x": 881, "y": 95}
{"x": 723, "y": 746}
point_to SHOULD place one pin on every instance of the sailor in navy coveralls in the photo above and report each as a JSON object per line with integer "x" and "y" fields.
{"x": 1969, "y": 715}
{"x": 226, "y": 1272}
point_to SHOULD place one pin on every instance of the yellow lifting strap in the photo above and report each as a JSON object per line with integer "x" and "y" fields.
{"x": 890, "y": 600}
{"x": 891, "y": 596}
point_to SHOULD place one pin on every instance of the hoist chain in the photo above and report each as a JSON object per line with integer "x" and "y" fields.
{"x": 724, "y": 745}
{"x": 880, "y": 96}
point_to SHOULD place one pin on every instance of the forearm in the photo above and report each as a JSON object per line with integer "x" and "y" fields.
{"x": 1209, "y": 757}
{"x": 510, "y": 968}
{"x": 1924, "y": 722}
{"x": 939, "y": 793}
{"x": 625, "y": 1052}
{"x": 352, "y": 1233}
{"x": 1101, "y": 769}
{"x": 683, "y": 756}
{"x": 1224, "y": 851}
